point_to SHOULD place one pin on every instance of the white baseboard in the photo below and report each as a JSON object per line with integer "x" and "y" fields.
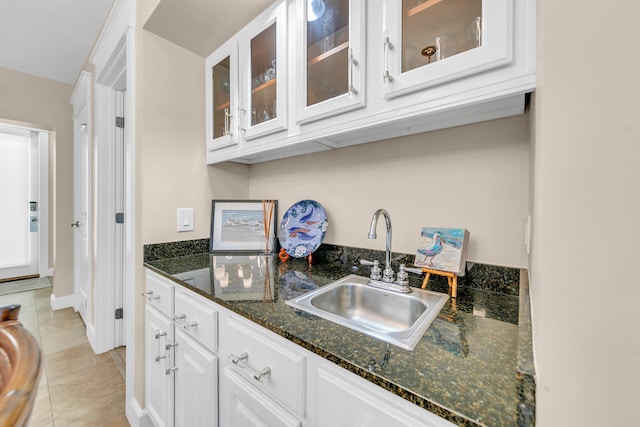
{"x": 91, "y": 337}
{"x": 137, "y": 416}
{"x": 62, "y": 302}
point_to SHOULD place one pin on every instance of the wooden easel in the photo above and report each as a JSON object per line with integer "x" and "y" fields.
{"x": 452, "y": 280}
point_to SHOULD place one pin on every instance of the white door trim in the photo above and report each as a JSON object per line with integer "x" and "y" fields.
{"x": 43, "y": 204}
{"x": 114, "y": 52}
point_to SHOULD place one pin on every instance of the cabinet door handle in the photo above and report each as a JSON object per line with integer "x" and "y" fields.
{"x": 170, "y": 345}
{"x": 159, "y": 358}
{"x": 227, "y": 122}
{"x": 179, "y": 317}
{"x": 386, "y": 76}
{"x": 169, "y": 370}
{"x": 161, "y": 334}
{"x": 244, "y": 111}
{"x": 352, "y": 62}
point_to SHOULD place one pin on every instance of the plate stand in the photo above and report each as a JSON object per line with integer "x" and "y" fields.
{"x": 452, "y": 280}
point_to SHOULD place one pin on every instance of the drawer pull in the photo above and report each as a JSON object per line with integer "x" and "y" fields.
{"x": 159, "y": 358}
{"x": 172, "y": 369}
{"x": 244, "y": 357}
{"x": 161, "y": 334}
{"x": 179, "y": 317}
{"x": 170, "y": 346}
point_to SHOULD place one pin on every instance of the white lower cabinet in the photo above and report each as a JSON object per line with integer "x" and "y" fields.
{"x": 196, "y": 383}
{"x": 158, "y": 383}
{"x": 265, "y": 380}
{"x": 181, "y": 371}
{"x": 343, "y": 399}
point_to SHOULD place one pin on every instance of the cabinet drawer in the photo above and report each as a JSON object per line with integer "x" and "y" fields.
{"x": 160, "y": 293}
{"x": 197, "y": 318}
{"x": 246, "y": 408}
{"x": 253, "y": 352}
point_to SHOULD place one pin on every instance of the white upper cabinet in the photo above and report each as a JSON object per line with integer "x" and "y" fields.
{"x": 330, "y": 70}
{"x": 263, "y": 75}
{"x": 246, "y": 83}
{"x": 316, "y": 75}
{"x": 431, "y": 42}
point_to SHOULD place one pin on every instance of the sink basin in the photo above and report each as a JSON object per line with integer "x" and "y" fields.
{"x": 396, "y": 318}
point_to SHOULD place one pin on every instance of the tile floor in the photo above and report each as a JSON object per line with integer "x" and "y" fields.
{"x": 78, "y": 387}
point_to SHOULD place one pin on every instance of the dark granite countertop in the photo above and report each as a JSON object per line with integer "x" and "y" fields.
{"x": 472, "y": 367}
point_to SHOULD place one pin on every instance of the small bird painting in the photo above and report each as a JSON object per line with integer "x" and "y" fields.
{"x": 442, "y": 249}
{"x": 432, "y": 250}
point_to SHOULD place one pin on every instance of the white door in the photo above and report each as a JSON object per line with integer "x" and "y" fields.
{"x": 18, "y": 192}
{"x": 82, "y": 217}
{"x": 158, "y": 378}
{"x": 196, "y": 383}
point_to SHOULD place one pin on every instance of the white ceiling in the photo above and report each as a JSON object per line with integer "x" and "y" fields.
{"x": 49, "y": 38}
{"x": 53, "y": 38}
{"x": 201, "y": 26}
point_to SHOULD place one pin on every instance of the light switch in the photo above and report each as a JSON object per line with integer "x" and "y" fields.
{"x": 185, "y": 219}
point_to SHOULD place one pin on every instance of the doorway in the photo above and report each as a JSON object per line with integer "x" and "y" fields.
{"x": 82, "y": 225}
{"x": 24, "y": 195}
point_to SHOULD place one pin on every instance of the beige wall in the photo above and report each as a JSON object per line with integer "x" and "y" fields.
{"x": 473, "y": 176}
{"x": 173, "y": 155}
{"x": 30, "y": 99}
{"x": 170, "y": 167}
{"x": 587, "y": 214}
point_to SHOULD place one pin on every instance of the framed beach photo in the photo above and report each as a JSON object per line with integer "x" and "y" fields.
{"x": 243, "y": 225}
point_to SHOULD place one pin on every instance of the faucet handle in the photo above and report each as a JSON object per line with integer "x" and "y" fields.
{"x": 376, "y": 272}
{"x": 412, "y": 270}
{"x": 403, "y": 277}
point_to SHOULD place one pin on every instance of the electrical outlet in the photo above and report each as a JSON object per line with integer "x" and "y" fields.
{"x": 185, "y": 219}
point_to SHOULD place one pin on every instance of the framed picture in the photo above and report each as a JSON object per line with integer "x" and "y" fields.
{"x": 243, "y": 225}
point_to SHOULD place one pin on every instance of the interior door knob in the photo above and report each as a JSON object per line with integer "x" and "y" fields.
{"x": 76, "y": 224}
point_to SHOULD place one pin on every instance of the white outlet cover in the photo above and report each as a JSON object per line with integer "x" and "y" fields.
{"x": 185, "y": 219}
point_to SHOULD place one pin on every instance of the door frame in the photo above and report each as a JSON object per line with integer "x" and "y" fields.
{"x": 114, "y": 60}
{"x": 108, "y": 82}
{"x": 45, "y": 137}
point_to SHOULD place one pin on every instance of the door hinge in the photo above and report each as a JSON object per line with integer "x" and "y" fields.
{"x": 119, "y": 313}
{"x": 120, "y": 218}
{"x": 120, "y": 122}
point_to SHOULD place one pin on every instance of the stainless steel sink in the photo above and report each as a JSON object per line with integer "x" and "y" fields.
{"x": 396, "y": 318}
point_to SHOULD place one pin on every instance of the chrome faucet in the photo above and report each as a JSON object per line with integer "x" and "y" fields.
{"x": 387, "y": 274}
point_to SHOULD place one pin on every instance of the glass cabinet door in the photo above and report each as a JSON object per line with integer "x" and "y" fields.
{"x": 429, "y": 42}
{"x": 221, "y": 99}
{"x": 263, "y": 76}
{"x": 332, "y": 45}
{"x": 221, "y": 76}
{"x": 436, "y": 30}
